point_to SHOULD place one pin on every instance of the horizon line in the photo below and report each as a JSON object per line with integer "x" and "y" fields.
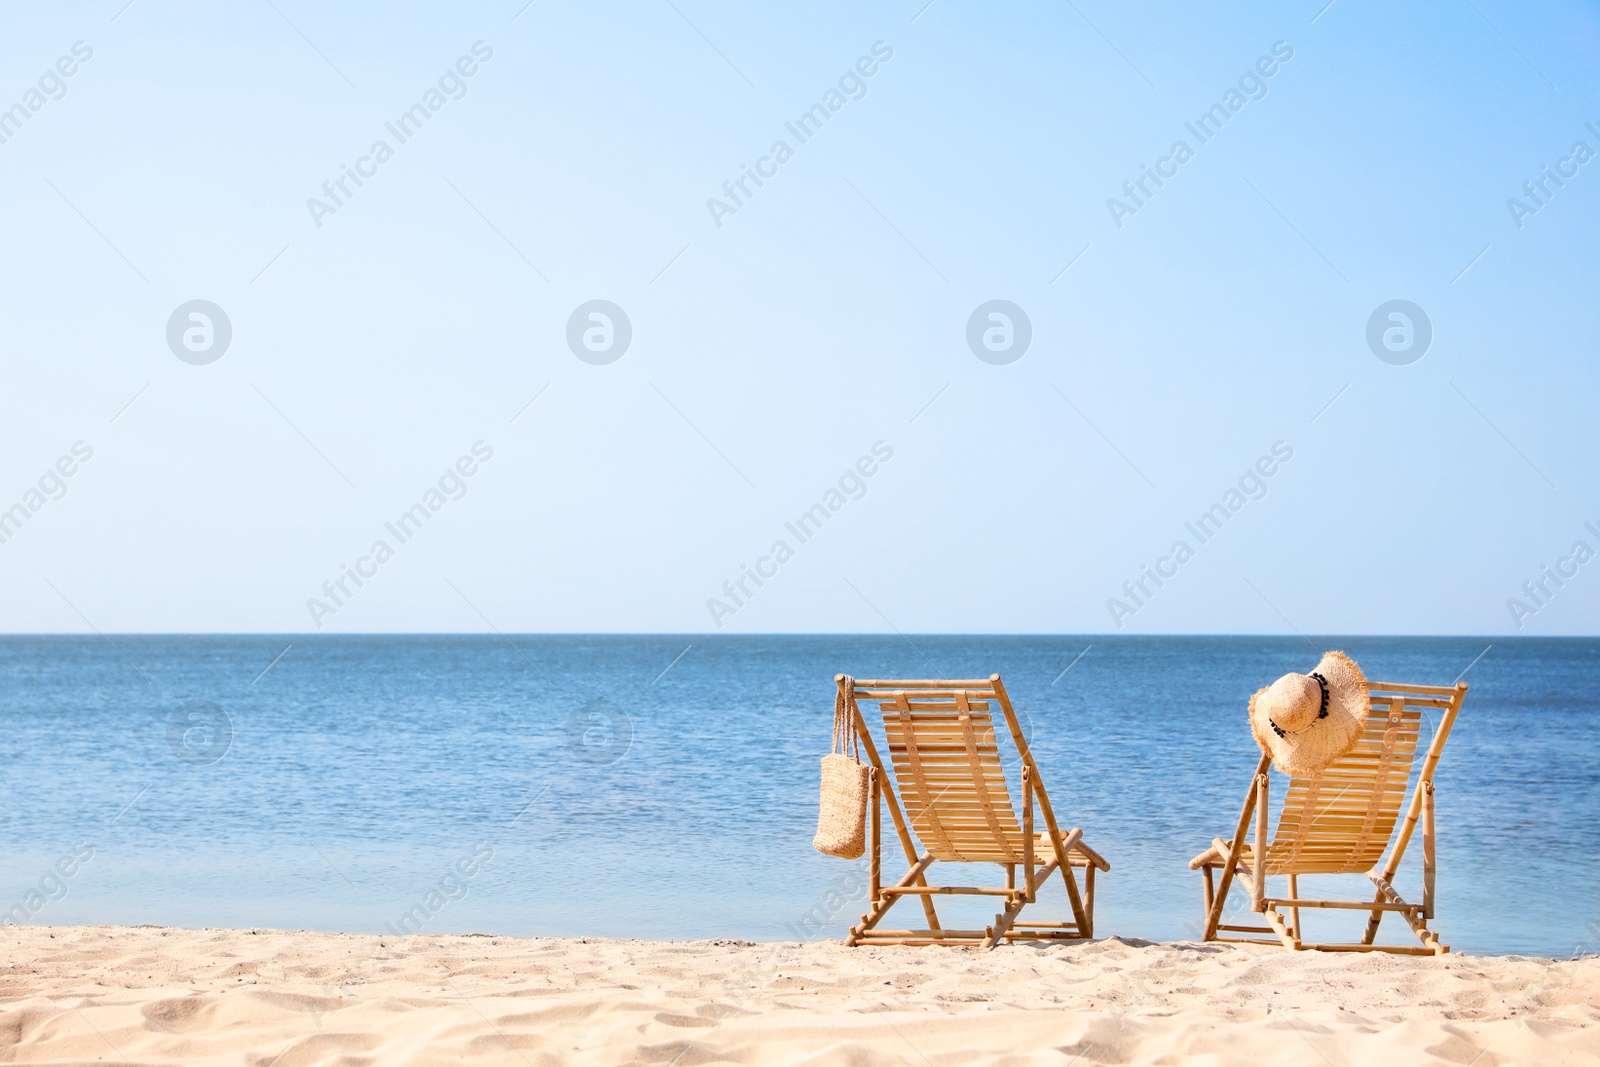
{"x": 305, "y": 635}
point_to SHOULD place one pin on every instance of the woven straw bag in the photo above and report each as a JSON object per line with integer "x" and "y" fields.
{"x": 841, "y": 829}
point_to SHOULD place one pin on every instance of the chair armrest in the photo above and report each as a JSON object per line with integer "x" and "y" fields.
{"x": 1091, "y": 855}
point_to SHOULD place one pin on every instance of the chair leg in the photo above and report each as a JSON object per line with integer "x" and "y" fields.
{"x": 1003, "y": 921}
{"x": 1232, "y": 852}
{"x": 1428, "y": 859}
{"x": 1088, "y": 898}
{"x": 885, "y": 901}
{"x": 869, "y": 920}
{"x": 1258, "y": 855}
{"x": 875, "y": 862}
{"x": 1291, "y": 940}
{"x": 1417, "y": 920}
{"x": 1373, "y": 920}
{"x": 1219, "y": 899}
{"x": 1079, "y": 915}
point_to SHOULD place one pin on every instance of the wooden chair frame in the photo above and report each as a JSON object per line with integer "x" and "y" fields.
{"x": 1234, "y": 861}
{"x": 1067, "y": 851}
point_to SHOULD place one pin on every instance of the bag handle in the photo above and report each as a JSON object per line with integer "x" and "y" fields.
{"x": 845, "y": 742}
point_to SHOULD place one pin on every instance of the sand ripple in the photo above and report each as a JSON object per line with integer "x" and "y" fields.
{"x": 277, "y": 999}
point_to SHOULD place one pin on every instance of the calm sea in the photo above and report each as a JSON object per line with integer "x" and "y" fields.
{"x": 665, "y": 787}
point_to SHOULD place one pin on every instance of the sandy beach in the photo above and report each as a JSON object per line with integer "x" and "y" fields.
{"x": 151, "y": 995}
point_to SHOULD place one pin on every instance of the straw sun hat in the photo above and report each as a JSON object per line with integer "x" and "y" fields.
{"x": 1306, "y": 721}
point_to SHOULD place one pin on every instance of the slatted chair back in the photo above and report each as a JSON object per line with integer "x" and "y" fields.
{"x": 1340, "y": 820}
{"x": 946, "y": 758}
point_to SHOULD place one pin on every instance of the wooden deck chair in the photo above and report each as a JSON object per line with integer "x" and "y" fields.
{"x": 1340, "y": 821}
{"x": 941, "y": 739}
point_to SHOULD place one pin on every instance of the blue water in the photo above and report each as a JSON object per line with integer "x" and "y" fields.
{"x": 567, "y": 786}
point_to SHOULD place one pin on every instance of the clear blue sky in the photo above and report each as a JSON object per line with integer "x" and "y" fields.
{"x": 373, "y": 345}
